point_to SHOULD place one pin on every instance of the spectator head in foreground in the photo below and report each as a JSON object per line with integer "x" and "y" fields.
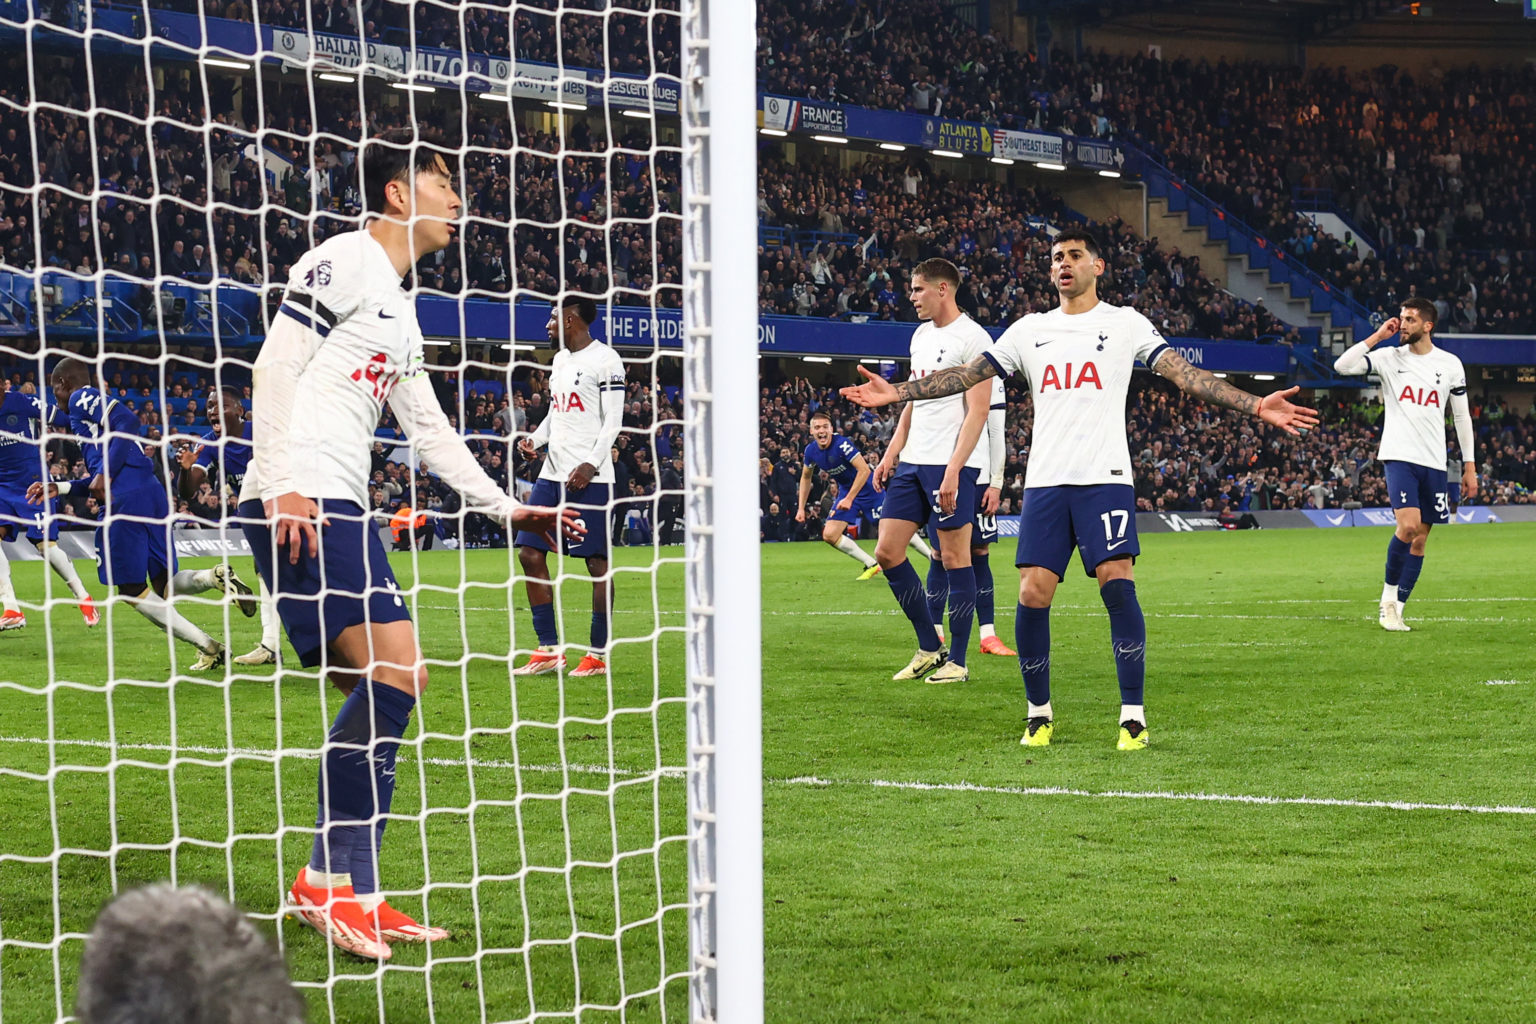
{"x": 163, "y": 955}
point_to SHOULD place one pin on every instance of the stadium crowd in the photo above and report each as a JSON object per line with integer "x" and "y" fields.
{"x": 646, "y": 453}
{"x": 1428, "y": 163}
{"x": 1433, "y": 177}
{"x": 874, "y": 221}
{"x": 1186, "y": 456}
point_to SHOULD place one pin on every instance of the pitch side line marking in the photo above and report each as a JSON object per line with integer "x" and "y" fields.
{"x": 815, "y": 781}
{"x": 1123, "y": 794}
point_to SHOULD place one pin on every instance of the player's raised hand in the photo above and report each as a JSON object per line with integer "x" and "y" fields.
{"x": 294, "y": 517}
{"x": 1389, "y": 328}
{"x": 36, "y": 495}
{"x": 526, "y": 447}
{"x": 1277, "y": 412}
{"x": 873, "y": 393}
{"x": 188, "y": 456}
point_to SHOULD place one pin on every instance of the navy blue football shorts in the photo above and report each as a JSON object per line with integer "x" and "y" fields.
{"x": 348, "y": 583}
{"x": 1099, "y": 520}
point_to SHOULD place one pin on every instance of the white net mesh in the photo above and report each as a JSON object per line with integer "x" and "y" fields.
{"x": 162, "y": 167}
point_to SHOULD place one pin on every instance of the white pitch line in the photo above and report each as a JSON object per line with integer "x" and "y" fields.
{"x": 252, "y": 753}
{"x": 1504, "y": 682}
{"x": 815, "y": 781}
{"x": 1121, "y": 794}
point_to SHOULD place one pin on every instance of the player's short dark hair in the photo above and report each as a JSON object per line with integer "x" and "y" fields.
{"x": 937, "y": 269}
{"x": 586, "y": 307}
{"x": 73, "y": 371}
{"x": 230, "y": 391}
{"x": 1089, "y": 240}
{"x": 166, "y": 954}
{"x": 394, "y": 155}
{"x": 1426, "y": 309}
{"x": 822, "y": 414}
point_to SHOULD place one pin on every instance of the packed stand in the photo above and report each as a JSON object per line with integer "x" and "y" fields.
{"x": 903, "y": 212}
{"x": 637, "y": 37}
{"x": 181, "y": 201}
{"x": 1186, "y": 456}
{"x": 479, "y": 404}
{"x": 1432, "y": 170}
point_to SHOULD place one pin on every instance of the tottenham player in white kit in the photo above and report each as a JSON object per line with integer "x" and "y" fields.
{"x": 989, "y": 492}
{"x": 1078, "y": 489}
{"x": 344, "y": 341}
{"x": 1418, "y": 383}
{"x": 586, "y": 413}
{"x": 929, "y": 474}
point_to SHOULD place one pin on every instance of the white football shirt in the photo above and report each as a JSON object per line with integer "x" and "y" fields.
{"x": 1416, "y": 391}
{"x": 1078, "y": 367}
{"x": 344, "y": 341}
{"x": 985, "y": 446}
{"x": 936, "y": 422}
{"x": 585, "y": 388}
{"x": 347, "y": 291}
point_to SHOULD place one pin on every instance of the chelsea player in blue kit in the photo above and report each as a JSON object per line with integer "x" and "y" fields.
{"x": 1078, "y": 493}
{"x": 133, "y": 542}
{"x": 857, "y": 499}
{"x": 22, "y": 417}
{"x": 221, "y": 461}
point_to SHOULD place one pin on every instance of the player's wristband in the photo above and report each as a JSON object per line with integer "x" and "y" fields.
{"x": 64, "y": 487}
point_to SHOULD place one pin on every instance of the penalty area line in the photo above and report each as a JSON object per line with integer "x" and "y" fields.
{"x": 198, "y": 753}
{"x": 1123, "y": 794}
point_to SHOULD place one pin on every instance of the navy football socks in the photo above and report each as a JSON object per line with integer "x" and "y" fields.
{"x": 1128, "y": 635}
{"x": 962, "y": 609}
{"x": 356, "y": 784}
{"x": 908, "y": 588}
{"x": 937, "y": 590}
{"x": 1412, "y": 566}
{"x": 983, "y": 571}
{"x": 1397, "y": 552}
{"x": 1032, "y": 636}
{"x": 544, "y": 624}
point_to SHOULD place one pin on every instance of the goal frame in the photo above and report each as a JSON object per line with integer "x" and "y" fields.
{"x": 723, "y": 596}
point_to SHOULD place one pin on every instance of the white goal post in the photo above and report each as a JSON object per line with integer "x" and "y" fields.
{"x": 724, "y": 593}
{"x": 572, "y": 833}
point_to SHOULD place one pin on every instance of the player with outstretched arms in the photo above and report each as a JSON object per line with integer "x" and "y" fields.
{"x": 22, "y": 458}
{"x": 929, "y": 473}
{"x": 220, "y": 460}
{"x": 1078, "y": 488}
{"x": 586, "y": 413}
{"x": 833, "y": 454}
{"x": 133, "y": 542}
{"x": 984, "y": 533}
{"x": 1418, "y": 383}
{"x": 344, "y": 341}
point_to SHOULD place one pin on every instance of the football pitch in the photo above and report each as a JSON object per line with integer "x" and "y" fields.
{"x": 1332, "y": 822}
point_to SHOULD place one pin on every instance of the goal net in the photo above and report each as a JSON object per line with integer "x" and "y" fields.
{"x": 592, "y": 842}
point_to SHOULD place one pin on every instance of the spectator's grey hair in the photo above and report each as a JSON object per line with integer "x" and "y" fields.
{"x": 163, "y": 955}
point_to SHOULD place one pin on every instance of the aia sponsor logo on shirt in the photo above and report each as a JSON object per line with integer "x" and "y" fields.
{"x": 1070, "y": 376}
{"x": 377, "y": 375}
{"x": 570, "y": 403}
{"x": 1427, "y": 397}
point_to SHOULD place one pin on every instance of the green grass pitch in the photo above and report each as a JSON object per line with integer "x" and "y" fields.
{"x": 1331, "y": 823}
